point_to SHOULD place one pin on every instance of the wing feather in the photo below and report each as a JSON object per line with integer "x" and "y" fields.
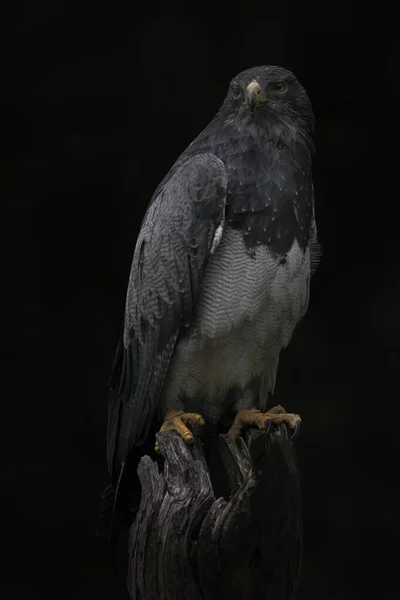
{"x": 179, "y": 231}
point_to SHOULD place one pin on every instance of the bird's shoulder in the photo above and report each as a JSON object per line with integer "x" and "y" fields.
{"x": 269, "y": 184}
{"x": 270, "y": 195}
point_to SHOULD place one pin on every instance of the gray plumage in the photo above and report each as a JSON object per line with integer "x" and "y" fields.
{"x": 221, "y": 269}
{"x": 246, "y": 312}
{"x": 177, "y": 237}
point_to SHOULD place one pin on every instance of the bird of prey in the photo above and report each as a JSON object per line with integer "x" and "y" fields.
{"x": 221, "y": 271}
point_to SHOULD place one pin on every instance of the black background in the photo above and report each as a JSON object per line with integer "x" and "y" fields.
{"x": 98, "y": 99}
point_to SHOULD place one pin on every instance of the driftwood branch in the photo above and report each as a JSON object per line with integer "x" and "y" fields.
{"x": 188, "y": 544}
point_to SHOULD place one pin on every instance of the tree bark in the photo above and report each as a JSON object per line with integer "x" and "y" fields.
{"x": 188, "y": 544}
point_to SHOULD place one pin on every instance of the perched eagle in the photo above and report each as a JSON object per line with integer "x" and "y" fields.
{"x": 221, "y": 271}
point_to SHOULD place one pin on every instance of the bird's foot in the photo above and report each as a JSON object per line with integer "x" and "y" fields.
{"x": 178, "y": 420}
{"x": 263, "y": 420}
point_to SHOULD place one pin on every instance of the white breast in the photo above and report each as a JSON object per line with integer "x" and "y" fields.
{"x": 247, "y": 311}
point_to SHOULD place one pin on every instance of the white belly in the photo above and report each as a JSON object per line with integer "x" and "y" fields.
{"x": 247, "y": 311}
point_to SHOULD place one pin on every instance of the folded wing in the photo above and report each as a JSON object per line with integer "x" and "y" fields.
{"x": 181, "y": 229}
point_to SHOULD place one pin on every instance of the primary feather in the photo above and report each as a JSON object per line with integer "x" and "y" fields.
{"x": 175, "y": 241}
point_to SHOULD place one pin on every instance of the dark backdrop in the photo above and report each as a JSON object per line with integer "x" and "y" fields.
{"x": 98, "y": 99}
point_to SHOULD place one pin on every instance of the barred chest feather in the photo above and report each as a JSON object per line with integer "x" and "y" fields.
{"x": 248, "y": 308}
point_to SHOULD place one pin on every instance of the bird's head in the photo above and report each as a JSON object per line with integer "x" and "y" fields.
{"x": 268, "y": 98}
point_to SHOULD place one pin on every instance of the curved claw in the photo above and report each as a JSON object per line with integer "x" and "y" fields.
{"x": 267, "y": 426}
{"x": 295, "y": 431}
{"x": 180, "y": 421}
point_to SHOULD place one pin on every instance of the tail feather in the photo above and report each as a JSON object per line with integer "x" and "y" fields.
{"x": 108, "y": 522}
{"x": 106, "y": 513}
{"x": 110, "y": 519}
{"x": 120, "y": 500}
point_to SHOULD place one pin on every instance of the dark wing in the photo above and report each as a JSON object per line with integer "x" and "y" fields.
{"x": 181, "y": 228}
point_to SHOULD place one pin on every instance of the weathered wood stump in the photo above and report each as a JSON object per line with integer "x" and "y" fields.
{"x": 186, "y": 544}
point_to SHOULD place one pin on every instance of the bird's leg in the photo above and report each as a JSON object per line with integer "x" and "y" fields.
{"x": 179, "y": 420}
{"x": 253, "y": 417}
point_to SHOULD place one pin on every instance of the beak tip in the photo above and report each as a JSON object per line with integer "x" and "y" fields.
{"x": 254, "y": 94}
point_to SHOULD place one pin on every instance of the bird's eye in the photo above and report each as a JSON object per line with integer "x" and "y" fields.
{"x": 281, "y": 87}
{"x": 236, "y": 90}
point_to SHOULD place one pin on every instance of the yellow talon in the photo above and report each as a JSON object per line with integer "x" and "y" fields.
{"x": 178, "y": 420}
{"x": 247, "y": 418}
